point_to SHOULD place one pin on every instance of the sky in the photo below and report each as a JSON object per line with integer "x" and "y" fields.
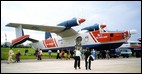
{"x": 117, "y": 15}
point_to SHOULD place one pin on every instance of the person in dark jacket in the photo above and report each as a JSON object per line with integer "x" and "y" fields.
{"x": 18, "y": 54}
{"x": 87, "y": 62}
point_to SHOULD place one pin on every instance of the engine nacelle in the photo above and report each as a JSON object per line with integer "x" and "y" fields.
{"x": 92, "y": 28}
{"x": 70, "y": 23}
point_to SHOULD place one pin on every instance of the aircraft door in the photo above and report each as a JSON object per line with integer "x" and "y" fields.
{"x": 111, "y": 36}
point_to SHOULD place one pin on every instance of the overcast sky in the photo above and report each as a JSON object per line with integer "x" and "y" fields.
{"x": 117, "y": 15}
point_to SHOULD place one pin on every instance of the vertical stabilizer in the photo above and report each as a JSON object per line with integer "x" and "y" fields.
{"x": 19, "y": 31}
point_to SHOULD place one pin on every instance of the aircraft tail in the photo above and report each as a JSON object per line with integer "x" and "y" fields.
{"x": 20, "y": 37}
{"x": 47, "y": 35}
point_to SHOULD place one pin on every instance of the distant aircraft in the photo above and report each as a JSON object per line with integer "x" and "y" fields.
{"x": 131, "y": 45}
{"x": 94, "y": 37}
{"x": 135, "y": 47}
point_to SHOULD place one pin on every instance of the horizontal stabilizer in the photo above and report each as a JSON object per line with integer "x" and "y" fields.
{"x": 32, "y": 40}
{"x": 22, "y": 39}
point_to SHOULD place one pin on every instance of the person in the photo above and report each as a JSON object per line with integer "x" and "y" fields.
{"x": 26, "y": 52}
{"x": 58, "y": 52}
{"x": 87, "y": 54}
{"x": 103, "y": 54}
{"x": 93, "y": 52}
{"x": 82, "y": 53}
{"x": 98, "y": 54}
{"x": 77, "y": 58}
{"x": 62, "y": 54}
{"x": 18, "y": 54}
{"x": 107, "y": 54}
{"x": 71, "y": 52}
{"x": 10, "y": 53}
{"x": 49, "y": 51}
{"x": 39, "y": 54}
{"x": 68, "y": 54}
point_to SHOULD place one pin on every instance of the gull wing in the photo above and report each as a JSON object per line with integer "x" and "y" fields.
{"x": 59, "y": 30}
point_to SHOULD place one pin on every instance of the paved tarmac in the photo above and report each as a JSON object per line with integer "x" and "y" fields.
{"x": 114, "y": 65}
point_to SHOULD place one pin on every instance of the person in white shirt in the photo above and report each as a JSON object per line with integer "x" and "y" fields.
{"x": 49, "y": 51}
{"x": 58, "y": 52}
{"x": 77, "y": 59}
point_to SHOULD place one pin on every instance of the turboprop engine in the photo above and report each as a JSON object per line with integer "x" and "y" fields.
{"x": 70, "y": 23}
{"x": 94, "y": 27}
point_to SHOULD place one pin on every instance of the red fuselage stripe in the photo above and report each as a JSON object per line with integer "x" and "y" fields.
{"x": 55, "y": 42}
{"x": 92, "y": 37}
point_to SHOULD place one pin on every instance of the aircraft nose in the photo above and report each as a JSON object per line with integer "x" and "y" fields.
{"x": 132, "y": 31}
{"x": 81, "y": 20}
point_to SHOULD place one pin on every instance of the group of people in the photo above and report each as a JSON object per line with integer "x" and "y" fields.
{"x": 88, "y": 58}
{"x": 38, "y": 54}
{"x": 63, "y": 54}
{"x": 77, "y": 57}
{"x": 11, "y": 53}
{"x": 103, "y": 54}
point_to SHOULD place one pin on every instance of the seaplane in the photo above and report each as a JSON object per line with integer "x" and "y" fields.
{"x": 95, "y": 36}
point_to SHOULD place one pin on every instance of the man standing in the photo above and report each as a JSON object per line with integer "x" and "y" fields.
{"x": 58, "y": 52}
{"x": 87, "y": 54}
{"x": 49, "y": 51}
{"x": 10, "y": 53}
{"x": 77, "y": 59}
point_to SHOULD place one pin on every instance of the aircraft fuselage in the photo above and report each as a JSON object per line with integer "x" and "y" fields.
{"x": 94, "y": 39}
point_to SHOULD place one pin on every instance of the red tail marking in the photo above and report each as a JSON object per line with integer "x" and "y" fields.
{"x": 50, "y": 43}
{"x": 44, "y": 44}
{"x": 55, "y": 42}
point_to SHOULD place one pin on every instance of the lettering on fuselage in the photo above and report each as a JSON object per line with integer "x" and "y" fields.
{"x": 101, "y": 37}
{"x": 50, "y": 44}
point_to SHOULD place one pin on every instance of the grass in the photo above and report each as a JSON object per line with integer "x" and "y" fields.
{"x": 4, "y": 53}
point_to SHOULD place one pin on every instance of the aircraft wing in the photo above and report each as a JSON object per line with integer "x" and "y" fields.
{"x": 59, "y": 30}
